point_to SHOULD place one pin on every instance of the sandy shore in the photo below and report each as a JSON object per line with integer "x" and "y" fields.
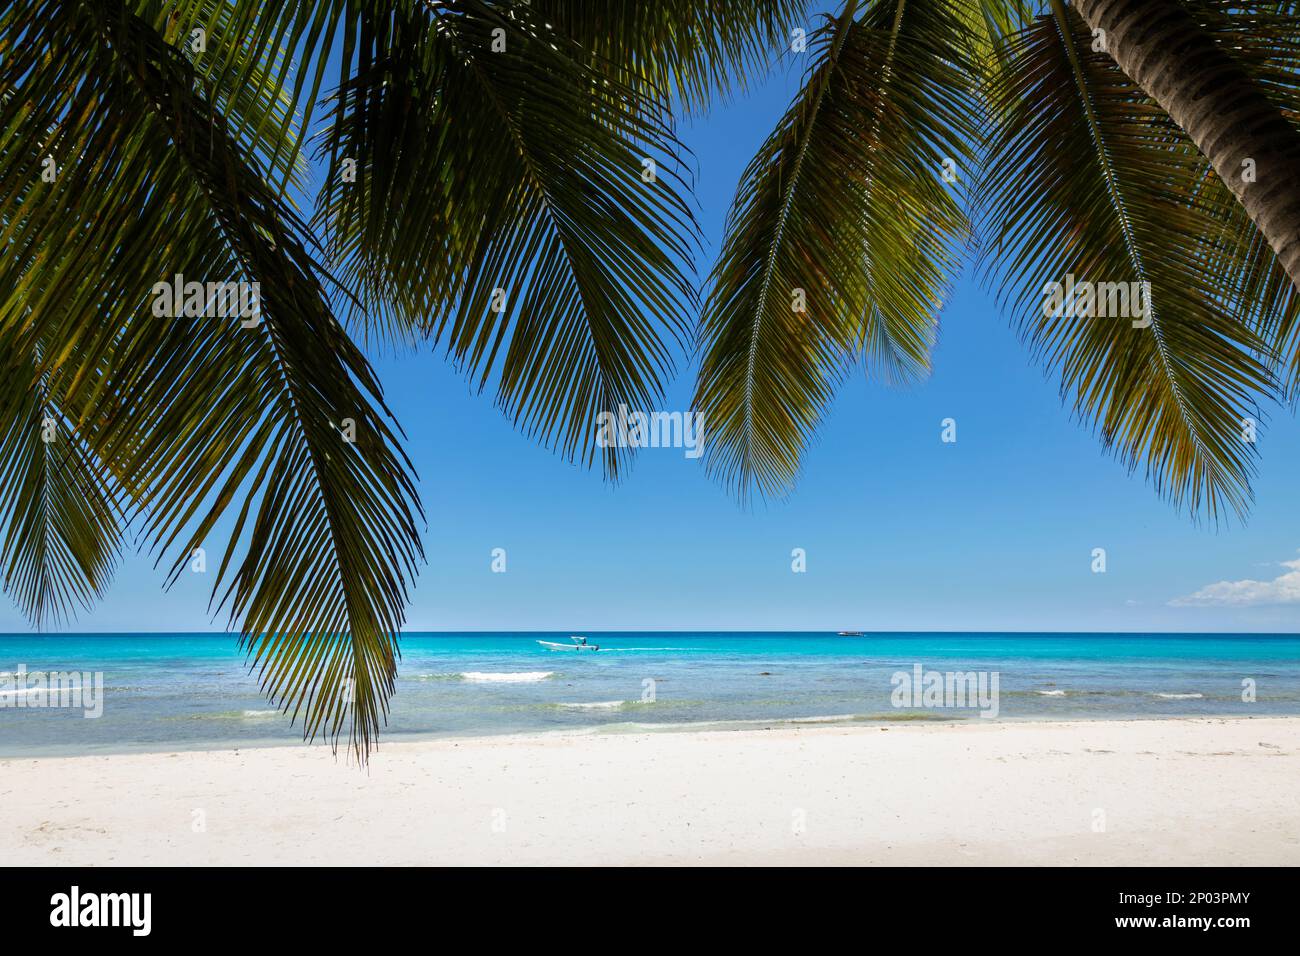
{"x": 1203, "y": 791}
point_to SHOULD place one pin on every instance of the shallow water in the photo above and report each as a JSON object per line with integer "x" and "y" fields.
{"x": 182, "y": 691}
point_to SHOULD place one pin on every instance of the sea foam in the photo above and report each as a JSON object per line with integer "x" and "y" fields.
{"x": 505, "y": 677}
{"x": 596, "y": 705}
{"x": 24, "y": 692}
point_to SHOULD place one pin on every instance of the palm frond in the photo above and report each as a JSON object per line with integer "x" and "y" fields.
{"x": 501, "y": 203}
{"x": 59, "y": 506}
{"x": 991, "y": 23}
{"x": 845, "y": 212}
{"x": 195, "y": 415}
{"x": 689, "y": 49}
{"x": 282, "y": 51}
{"x": 1086, "y": 177}
{"x": 242, "y": 79}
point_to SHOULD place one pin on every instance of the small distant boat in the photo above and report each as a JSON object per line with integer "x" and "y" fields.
{"x": 849, "y": 633}
{"x": 579, "y": 644}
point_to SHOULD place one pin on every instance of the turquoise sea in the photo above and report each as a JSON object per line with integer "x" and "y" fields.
{"x": 194, "y": 691}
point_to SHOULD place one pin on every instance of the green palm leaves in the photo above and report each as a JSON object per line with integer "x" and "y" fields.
{"x": 842, "y": 239}
{"x": 491, "y": 186}
{"x": 1078, "y": 174}
{"x": 190, "y": 415}
{"x": 691, "y": 49}
{"x": 545, "y": 244}
{"x": 60, "y": 511}
{"x": 1085, "y": 177}
{"x": 502, "y": 181}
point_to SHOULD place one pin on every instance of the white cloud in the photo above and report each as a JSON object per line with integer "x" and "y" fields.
{"x": 1283, "y": 589}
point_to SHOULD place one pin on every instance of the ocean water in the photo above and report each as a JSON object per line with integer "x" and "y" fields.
{"x": 194, "y": 691}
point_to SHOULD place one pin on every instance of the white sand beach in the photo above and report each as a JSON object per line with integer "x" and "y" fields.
{"x": 1179, "y": 791}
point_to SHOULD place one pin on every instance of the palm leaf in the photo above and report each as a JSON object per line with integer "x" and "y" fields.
{"x": 281, "y": 52}
{"x": 499, "y": 207}
{"x": 59, "y": 506}
{"x": 242, "y": 80}
{"x": 1087, "y": 177}
{"x": 844, "y": 205}
{"x": 694, "y": 50}
{"x": 193, "y": 416}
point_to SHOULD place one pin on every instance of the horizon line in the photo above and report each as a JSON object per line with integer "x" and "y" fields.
{"x": 696, "y": 630}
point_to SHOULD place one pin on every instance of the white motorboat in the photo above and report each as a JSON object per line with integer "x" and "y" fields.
{"x": 579, "y": 644}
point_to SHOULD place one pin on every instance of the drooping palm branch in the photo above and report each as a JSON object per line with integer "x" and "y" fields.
{"x": 1079, "y": 171}
{"x": 60, "y": 507}
{"x": 190, "y": 416}
{"x": 520, "y": 169}
{"x": 842, "y": 239}
{"x": 546, "y": 245}
{"x": 1087, "y": 177}
{"x": 694, "y": 50}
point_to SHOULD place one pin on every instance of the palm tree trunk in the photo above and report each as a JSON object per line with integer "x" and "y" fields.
{"x": 1163, "y": 50}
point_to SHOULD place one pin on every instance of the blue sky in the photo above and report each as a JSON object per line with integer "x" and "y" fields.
{"x": 901, "y": 531}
